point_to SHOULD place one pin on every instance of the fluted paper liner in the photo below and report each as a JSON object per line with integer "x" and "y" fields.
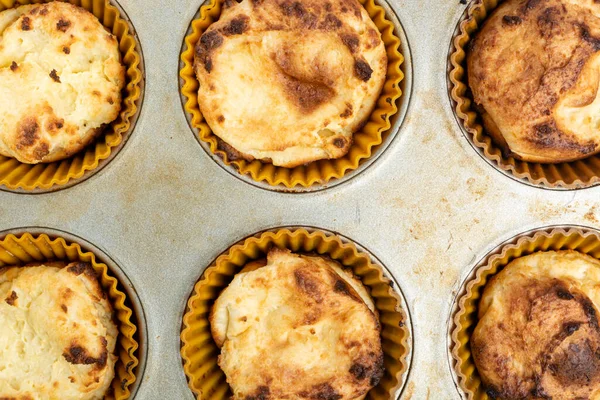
{"x": 465, "y": 318}
{"x": 566, "y": 175}
{"x": 377, "y": 126}
{"x": 42, "y": 177}
{"x": 26, "y": 248}
{"x": 200, "y": 352}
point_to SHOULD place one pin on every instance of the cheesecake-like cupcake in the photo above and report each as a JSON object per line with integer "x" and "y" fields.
{"x": 60, "y": 81}
{"x": 538, "y": 336}
{"x": 533, "y": 70}
{"x": 297, "y": 327}
{"x": 289, "y": 82}
{"x": 57, "y": 335}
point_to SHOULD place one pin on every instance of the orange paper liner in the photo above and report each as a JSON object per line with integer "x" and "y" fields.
{"x": 199, "y": 351}
{"x": 15, "y": 175}
{"x": 319, "y": 172}
{"x": 566, "y": 175}
{"x": 26, "y": 249}
{"x": 465, "y": 318}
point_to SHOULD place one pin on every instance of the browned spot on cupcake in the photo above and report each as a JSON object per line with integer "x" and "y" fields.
{"x": 351, "y": 41}
{"x": 27, "y": 129}
{"x": 323, "y": 391}
{"x": 64, "y": 308}
{"x": 548, "y": 135}
{"x": 220, "y": 119}
{"x": 41, "y": 151}
{"x": 511, "y": 20}
{"x": 54, "y": 76}
{"x": 363, "y": 70}
{"x": 237, "y": 26}
{"x": 63, "y": 25}
{"x": 297, "y": 10}
{"x": 347, "y": 111}
{"x": 14, "y": 66}
{"x": 54, "y": 125}
{"x": 10, "y": 300}
{"x": 66, "y": 50}
{"x": 307, "y": 284}
{"x": 96, "y": 93}
{"x": 44, "y": 10}
{"x": 339, "y": 143}
{"x": 110, "y": 100}
{"x": 205, "y": 46}
{"x": 80, "y": 268}
{"x": 330, "y": 23}
{"x": 261, "y": 393}
{"x": 307, "y": 95}
{"x": 373, "y": 38}
{"x": 26, "y": 24}
{"x": 76, "y": 354}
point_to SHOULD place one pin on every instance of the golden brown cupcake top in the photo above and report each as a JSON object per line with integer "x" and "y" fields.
{"x": 60, "y": 81}
{"x": 534, "y": 69}
{"x": 538, "y": 335}
{"x": 298, "y": 327}
{"x": 289, "y": 81}
{"x": 57, "y": 335}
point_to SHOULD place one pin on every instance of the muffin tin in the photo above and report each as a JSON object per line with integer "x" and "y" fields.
{"x": 428, "y": 208}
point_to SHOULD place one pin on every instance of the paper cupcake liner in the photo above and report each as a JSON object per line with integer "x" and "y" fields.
{"x": 27, "y": 248}
{"x": 365, "y": 141}
{"x": 199, "y": 351}
{"x": 567, "y": 175}
{"x": 464, "y": 319}
{"x": 17, "y": 176}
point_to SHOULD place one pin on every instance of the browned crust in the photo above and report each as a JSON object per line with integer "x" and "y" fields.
{"x": 543, "y": 72}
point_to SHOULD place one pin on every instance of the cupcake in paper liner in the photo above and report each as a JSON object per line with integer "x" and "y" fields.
{"x": 62, "y": 284}
{"x": 64, "y": 127}
{"x": 533, "y": 302}
{"x": 326, "y": 271}
{"x": 292, "y": 93}
{"x": 525, "y": 104}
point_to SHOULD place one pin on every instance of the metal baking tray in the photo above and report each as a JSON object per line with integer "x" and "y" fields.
{"x": 429, "y": 207}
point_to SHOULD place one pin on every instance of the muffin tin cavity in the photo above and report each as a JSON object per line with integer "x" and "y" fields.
{"x": 48, "y": 177}
{"x": 200, "y": 352}
{"x": 463, "y": 318}
{"x": 23, "y": 246}
{"x": 561, "y": 176}
{"x": 368, "y": 143}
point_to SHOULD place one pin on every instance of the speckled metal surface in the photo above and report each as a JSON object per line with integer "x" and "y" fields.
{"x": 428, "y": 208}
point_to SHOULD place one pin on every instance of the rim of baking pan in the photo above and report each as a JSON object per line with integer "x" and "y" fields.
{"x": 345, "y": 239}
{"x": 116, "y": 150}
{"x": 406, "y": 85}
{"x": 482, "y": 259}
{"x": 116, "y": 271}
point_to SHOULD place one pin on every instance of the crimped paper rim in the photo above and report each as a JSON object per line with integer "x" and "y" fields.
{"x": 377, "y": 128}
{"x": 297, "y": 239}
{"x": 44, "y": 177}
{"x": 481, "y": 274}
{"x": 124, "y": 368}
{"x": 549, "y": 176}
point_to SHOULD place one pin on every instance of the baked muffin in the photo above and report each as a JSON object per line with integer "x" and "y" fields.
{"x": 538, "y": 335}
{"x": 298, "y": 327}
{"x": 60, "y": 81}
{"x": 57, "y": 335}
{"x": 534, "y": 71}
{"x": 289, "y": 81}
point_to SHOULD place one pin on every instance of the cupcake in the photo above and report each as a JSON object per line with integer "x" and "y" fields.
{"x": 289, "y": 82}
{"x": 533, "y": 73}
{"x": 297, "y": 327}
{"x": 57, "y": 335}
{"x": 61, "y": 81}
{"x": 295, "y": 314}
{"x": 537, "y": 334}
